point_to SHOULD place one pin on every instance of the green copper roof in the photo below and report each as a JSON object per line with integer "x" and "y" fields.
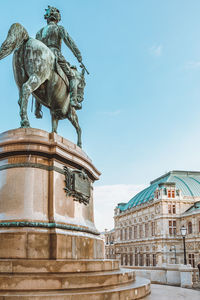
{"x": 195, "y": 207}
{"x": 186, "y": 181}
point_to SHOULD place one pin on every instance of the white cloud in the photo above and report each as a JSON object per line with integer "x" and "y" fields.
{"x": 193, "y": 64}
{"x": 156, "y": 50}
{"x": 107, "y": 197}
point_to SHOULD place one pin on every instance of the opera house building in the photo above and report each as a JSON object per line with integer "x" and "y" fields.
{"x": 147, "y": 230}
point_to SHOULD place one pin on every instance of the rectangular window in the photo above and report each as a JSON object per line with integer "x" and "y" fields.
{"x": 121, "y": 234}
{"x": 130, "y": 233}
{"x": 152, "y": 228}
{"x": 135, "y": 232}
{"x": 171, "y": 208}
{"x": 172, "y": 227}
{"x": 191, "y": 260}
{"x": 141, "y": 260}
{"x": 121, "y": 259}
{"x": 125, "y": 234}
{"x": 146, "y": 230}
{"x": 131, "y": 259}
{"x": 169, "y": 194}
{"x": 126, "y": 259}
{"x": 154, "y": 260}
{"x": 136, "y": 259}
{"x": 140, "y": 231}
{"x": 147, "y": 260}
{"x": 173, "y": 194}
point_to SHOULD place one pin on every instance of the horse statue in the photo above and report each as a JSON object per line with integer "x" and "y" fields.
{"x": 36, "y": 72}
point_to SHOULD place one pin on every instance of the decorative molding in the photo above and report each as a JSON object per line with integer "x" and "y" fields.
{"x": 32, "y": 165}
{"x": 47, "y": 225}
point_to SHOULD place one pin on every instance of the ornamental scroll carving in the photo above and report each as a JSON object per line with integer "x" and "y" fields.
{"x": 77, "y": 185}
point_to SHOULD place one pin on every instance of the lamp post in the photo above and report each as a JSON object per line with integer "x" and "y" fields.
{"x": 183, "y": 233}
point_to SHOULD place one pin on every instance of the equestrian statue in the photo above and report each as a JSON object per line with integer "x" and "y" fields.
{"x": 40, "y": 69}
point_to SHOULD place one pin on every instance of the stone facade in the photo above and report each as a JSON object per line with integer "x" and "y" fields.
{"x": 148, "y": 234}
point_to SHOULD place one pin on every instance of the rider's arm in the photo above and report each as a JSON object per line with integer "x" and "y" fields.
{"x": 39, "y": 35}
{"x": 70, "y": 43}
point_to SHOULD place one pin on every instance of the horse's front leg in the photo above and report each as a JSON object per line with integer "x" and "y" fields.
{"x": 78, "y": 130}
{"x": 72, "y": 116}
{"x": 27, "y": 88}
{"x": 23, "y": 103}
{"x": 54, "y": 122}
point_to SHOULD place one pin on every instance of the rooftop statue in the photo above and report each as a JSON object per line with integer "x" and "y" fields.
{"x": 40, "y": 69}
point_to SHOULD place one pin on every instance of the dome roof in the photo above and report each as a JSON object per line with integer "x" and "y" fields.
{"x": 186, "y": 181}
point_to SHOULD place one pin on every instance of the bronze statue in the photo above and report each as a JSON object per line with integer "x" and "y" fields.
{"x": 52, "y": 36}
{"x": 41, "y": 70}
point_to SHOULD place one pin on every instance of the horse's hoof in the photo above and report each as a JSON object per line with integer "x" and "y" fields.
{"x": 25, "y": 124}
{"x": 54, "y": 131}
{"x": 38, "y": 115}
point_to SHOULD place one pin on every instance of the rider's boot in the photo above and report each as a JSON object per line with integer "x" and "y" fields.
{"x": 72, "y": 84}
{"x": 73, "y": 94}
{"x": 38, "y": 110}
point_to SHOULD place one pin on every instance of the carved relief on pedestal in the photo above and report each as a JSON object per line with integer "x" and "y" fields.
{"x": 78, "y": 185}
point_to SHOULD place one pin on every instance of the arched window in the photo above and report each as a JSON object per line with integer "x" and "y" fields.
{"x": 189, "y": 227}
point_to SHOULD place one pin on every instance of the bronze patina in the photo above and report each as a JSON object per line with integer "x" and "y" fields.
{"x": 40, "y": 69}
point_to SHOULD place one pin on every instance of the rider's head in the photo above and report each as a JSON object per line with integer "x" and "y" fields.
{"x": 52, "y": 14}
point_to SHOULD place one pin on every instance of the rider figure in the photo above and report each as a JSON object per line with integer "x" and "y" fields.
{"x": 52, "y": 36}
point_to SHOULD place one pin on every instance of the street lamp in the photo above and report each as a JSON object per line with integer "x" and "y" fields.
{"x": 183, "y": 233}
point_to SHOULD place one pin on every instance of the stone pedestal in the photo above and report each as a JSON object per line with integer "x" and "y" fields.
{"x": 37, "y": 219}
{"x": 50, "y": 248}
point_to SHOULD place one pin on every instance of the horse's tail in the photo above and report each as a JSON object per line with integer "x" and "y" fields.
{"x": 17, "y": 34}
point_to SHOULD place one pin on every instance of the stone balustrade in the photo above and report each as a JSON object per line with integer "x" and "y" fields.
{"x": 170, "y": 274}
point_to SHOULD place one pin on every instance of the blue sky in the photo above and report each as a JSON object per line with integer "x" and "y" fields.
{"x": 141, "y": 114}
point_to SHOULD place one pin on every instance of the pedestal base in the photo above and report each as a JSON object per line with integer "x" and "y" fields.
{"x": 70, "y": 280}
{"x": 49, "y": 246}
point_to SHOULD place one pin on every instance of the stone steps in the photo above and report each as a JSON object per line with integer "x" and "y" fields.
{"x": 69, "y": 279}
{"x": 133, "y": 290}
{"x": 56, "y": 266}
{"x": 59, "y": 281}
